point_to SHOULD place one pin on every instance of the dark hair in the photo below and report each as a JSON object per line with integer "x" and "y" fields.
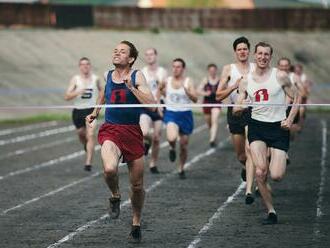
{"x": 133, "y": 52}
{"x": 263, "y": 44}
{"x": 153, "y": 49}
{"x": 241, "y": 40}
{"x": 212, "y": 65}
{"x": 284, "y": 58}
{"x": 181, "y": 61}
{"x": 84, "y": 58}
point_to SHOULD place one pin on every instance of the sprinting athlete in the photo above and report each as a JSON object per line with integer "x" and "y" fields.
{"x": 268, "y": 127}
{"x": 120, "y": 136}
{"x": 149, "y": 120}
{"x": 178, "y": 89}
{"x": 231, "y": 75}
{"x": 207, "y": 89}
{"x": 84, "y": 89}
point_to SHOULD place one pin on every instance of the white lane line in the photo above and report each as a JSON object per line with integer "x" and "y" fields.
{"x": 37, "y": 135}
{"x": 37, "y": 148}
{"x": 162, "y": 145}
{"x": 89, "y": 224}
{"x": 216, "y": 216}
{"x": 68, "y": 157}
{"x": 82, "y": 180}
{"x": 27, "y": 128}
{"x": 323, "y": 173}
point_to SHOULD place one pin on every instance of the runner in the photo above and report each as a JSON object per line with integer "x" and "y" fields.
{"x": 121, "y": 136}
{"x": 268, "y": 126}
{"x": 152, "y": 120}
{"x": 84, "y": 89}
{"x": 231, "y": 75}
{"x": 207, "y": 89}
{"x": 178, "y": 89}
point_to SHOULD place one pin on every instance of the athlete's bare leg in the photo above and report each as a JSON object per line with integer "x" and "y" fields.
{"x": 207, "y": 118}
{"x": 239, "y": 147}
{"x": 82, "y": 135}
{"x": 155, "y": 143}
{"x": 250, "y": 169}
{"x": 146, "y": 125}
{"x": 137, "y": 192}
{"x": 215, "y": 112}
{"x": 90, "y": 143}
{"x": 184, "y": 139}
{"x": 110, "y": 154}
{"x": 259, "y": 158}
{"x": 172, "y": 133}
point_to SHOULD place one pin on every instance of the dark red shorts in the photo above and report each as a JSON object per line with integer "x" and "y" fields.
{"x": 128, "y": 138}
{"x": 207, "y": 110}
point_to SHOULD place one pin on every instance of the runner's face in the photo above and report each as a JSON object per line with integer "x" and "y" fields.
{"x": 298, "y": 70}
{"x": 284, "y": 65}
{"x": 242, "y": 52}
{"x": 120, "y": 55}
{"x": 213, "y": 71}
{"x": 84, "y": 67}
{"x": 263, "y": 57}
{"x": 151, "y": 57}
{"x": 177, "y": 69}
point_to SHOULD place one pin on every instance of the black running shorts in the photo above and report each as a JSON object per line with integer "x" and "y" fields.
{"x": 269, "y": 132}
{"x": 79, "y": 115}
{"x": 237, "y": 124}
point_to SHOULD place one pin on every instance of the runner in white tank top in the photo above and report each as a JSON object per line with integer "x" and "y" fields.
{"x": 149, "y": 120}
{"x": 231, "y": 76}
{"x": 178, "y": 89}
{"x": 268, "y": 127}
{"x": 84, "y": 90}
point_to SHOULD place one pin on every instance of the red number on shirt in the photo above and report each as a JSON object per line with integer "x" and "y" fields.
{"x": 118, "y": 96}
{"x": 261, "y": 93}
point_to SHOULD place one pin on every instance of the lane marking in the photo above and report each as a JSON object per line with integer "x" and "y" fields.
{"x": 37, "y": 135}
{"x": 216, "y": 216}
{"x": 28, "y": 127}
{"x": 37, "y": 148}
{"x": 156, "y": 184}
{"x": 162, "y": 145}
{"x": 323, "y": 173}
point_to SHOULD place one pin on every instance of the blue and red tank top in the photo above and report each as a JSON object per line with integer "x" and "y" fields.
{"x": 213, "y": 88}
{"x": 118, "y": 93}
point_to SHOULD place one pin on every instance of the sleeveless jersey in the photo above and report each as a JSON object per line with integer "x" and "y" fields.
{"x": 89, "y": 97}
{"x": 118, "y": 93}
{"x": 268, "y": 92}
{"x": 176, "y": 96}
{"x": 154, "y": 79}
{"x": 234, "y": 76}
{"x": 213, "y": 88}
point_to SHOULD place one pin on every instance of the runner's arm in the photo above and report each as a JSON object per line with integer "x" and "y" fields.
{"x": 191, "y": 91}
{"x": 241, "y": 97}
{"x": 71, "y": 91}
{"x": 200, "y": 89}
{"x": 223, "y": 90}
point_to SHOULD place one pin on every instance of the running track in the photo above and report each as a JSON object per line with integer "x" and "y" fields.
{"x": 47, "y": 200}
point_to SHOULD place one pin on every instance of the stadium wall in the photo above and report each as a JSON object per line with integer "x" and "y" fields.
{"x": 68, "y": 16}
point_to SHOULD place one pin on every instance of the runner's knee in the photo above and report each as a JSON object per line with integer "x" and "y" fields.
{"x": 261, "y": 174}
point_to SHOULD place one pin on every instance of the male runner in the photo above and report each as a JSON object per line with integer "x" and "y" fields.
{"x": 178, "y": 89}
{"x": 207, "y": 89}
{"x": 121, "y": 136}
{"x": 154, "y": 74}
{"x": 84, "y": 89}
{"x": 231, "y": 75}
{"x": 268, "y": 126}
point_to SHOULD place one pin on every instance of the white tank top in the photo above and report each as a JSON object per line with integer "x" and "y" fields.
{"x": 89, "y": 98}
{"x": 234, "y": 76}
{"x": 153, "y": 79}
{"x": 269, "y": 92}
{"x": 177, "y": 96}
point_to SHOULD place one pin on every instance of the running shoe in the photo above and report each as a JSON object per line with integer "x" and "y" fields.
{"x": 88, "y": 167}
{"x": 213, "y": 144}
{"x": 135, "y": 234}
{"x": 114, "y": 210}
{"x": 146, "y": 148}
{"x": 172, "y": 155}
{"x": 182, "y": 175}
{"x": 154, "y": 170}
{"x": 243, "y": 174}
{"x": 270, "y": 220}
{"x": 249, "y": 199}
